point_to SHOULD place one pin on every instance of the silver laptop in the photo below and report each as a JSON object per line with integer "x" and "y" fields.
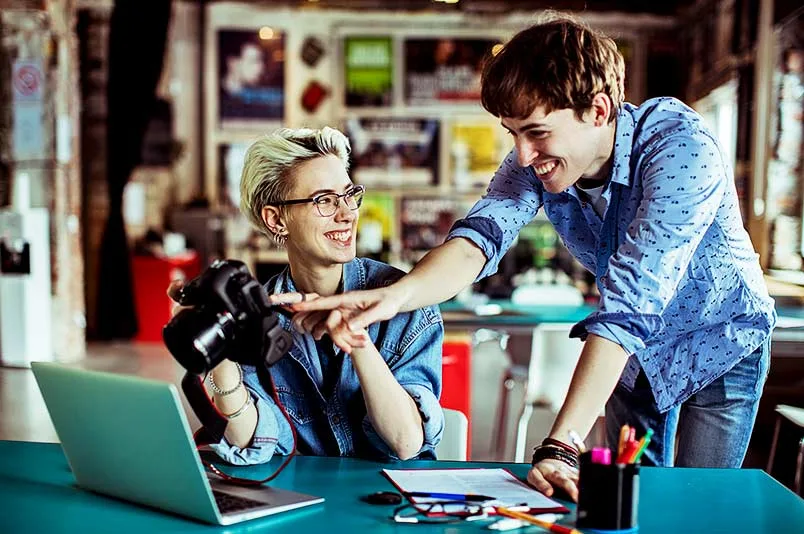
{"x": 128, "y": 437}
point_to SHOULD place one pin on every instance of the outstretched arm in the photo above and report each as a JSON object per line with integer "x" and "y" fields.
{"x": 439, "y": 276}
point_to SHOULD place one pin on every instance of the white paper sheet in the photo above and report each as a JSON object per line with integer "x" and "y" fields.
{"x": 497, "y": 483}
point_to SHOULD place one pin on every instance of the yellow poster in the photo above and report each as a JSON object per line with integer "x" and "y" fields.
{"x": 479, "y": 143}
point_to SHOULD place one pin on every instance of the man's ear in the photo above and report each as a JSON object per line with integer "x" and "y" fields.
{"x": 272, "y": 218}
{"x": 601, "y": 109}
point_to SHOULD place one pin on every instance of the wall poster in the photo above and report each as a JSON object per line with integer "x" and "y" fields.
{"x": 369, "y": 72}
{"x": 394, "y": 151}
{"x": 444, "y": 70}
{"x": 251, "y": 75}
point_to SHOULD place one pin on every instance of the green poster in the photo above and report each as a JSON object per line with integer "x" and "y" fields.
{"x": 369, "y": 71}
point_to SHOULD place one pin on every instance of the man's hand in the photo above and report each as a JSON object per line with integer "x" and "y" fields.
{"x": 547, "y": 475}
{"x": 351, "y": 313}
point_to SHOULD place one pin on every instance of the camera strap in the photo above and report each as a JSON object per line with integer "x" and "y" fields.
{"x": 213, "y": 424}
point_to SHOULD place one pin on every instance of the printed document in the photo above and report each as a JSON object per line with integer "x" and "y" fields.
{"x": 499, "y": 483}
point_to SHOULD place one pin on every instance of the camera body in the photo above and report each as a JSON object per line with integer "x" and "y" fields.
{"x": 231, "y": 317}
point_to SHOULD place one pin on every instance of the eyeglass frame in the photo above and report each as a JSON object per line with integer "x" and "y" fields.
{"x": 352, "y": 192}
{"x": 425, "y": 514}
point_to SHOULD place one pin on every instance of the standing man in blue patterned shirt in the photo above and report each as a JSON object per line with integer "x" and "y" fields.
{"x": 644, "y": 198}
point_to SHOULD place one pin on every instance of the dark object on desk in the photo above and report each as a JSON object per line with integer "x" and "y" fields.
{"x": 382, "y": 497}
{"x": 608, "y": 495}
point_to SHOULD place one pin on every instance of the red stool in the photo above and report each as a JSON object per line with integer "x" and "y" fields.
{"x": 151, "y": 277}
{"x": 456, "y": 377}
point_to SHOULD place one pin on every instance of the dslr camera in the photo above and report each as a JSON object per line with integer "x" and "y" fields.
{"x": 230, "y": 317}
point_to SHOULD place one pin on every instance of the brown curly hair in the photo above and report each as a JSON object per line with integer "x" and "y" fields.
{"x": 558, "y": 64}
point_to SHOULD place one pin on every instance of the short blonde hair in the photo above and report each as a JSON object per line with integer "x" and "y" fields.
{"x": 560, "y": 63}
{"x": 271, "y": 160}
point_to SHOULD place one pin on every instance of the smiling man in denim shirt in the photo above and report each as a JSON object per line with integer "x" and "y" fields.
{"x": 642, "y": 197}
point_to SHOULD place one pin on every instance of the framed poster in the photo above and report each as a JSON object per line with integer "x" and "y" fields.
{"x": 444, "y": 70}
{"x": 424, "y": 223}
{"x": 394, "y": 151}
{"x": 251, "y": 76}
{"x": 368, "y": 71}
{"x": 476, "y": 150}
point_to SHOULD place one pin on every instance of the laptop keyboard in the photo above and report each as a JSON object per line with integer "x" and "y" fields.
{"x": 228, "y": 503}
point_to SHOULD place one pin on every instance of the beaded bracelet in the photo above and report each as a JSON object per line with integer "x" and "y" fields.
{"x": 214, "y": 387}
{"x": 560, "y": 444}
{"x": 551, "y": 452}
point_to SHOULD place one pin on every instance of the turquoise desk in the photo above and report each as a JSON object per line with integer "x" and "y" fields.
{"x": 38, "y": 494}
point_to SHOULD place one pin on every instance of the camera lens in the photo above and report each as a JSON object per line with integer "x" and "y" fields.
{"x": 197, "y": 340}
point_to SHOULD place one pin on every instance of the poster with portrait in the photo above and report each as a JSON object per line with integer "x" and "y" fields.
{"x": 444, "y": 70}
{"x": 394, "y": 152}
{"x": 251, "y": 76}
{"x": 368, "y": 71}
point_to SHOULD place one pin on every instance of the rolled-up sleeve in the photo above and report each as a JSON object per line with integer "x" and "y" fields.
{"x": 511, "y": 201}
{"x": 417, "y": 368}
{"x": 272, "y": 434}
{"x": 684, "y": 182}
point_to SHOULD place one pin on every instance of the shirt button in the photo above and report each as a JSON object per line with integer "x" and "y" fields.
{"x": 336, "y": 420}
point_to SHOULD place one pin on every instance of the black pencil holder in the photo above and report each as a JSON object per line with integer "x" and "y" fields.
{"x": 608, "y": 495}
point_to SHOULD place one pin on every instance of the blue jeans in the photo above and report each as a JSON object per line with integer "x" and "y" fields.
{"x": 713, "y": 426}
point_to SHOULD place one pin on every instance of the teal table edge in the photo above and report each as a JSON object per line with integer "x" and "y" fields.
{"x": 39, "y": 494}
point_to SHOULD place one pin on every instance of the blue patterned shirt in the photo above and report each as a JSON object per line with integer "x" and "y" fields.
{"x": 681, "y": 289}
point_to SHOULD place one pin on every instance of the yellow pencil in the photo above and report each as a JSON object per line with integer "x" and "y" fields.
{"x": 624, "y": 431}
{"x": 552, "y": 527}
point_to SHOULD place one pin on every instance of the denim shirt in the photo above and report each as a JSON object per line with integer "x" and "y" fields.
{"x": 681, "y": 289}
{"x": 335, "y": 423}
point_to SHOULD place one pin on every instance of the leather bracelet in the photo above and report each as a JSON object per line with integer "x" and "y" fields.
{"x": 551, "y": 452}
{"x": 214, "y": 387}
{"x": 242, "y": 409}
{"x": 560, "y": 444}
{"x": 553, "y": 455}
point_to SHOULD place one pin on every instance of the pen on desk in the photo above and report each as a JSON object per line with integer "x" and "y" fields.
{"x": 449, "y": 496}
{"x": 552, "y": 527}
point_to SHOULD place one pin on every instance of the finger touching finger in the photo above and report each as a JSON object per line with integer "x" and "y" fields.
{"x": 322, "y": 303}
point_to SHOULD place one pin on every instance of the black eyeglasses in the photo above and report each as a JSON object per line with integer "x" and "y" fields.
{"x": 439, "y": 512}
{"x": 327, "y": 203}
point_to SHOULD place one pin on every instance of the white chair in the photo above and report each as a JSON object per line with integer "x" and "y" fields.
{"x": 795, "y": 416}
{"x": 454, "y": 440}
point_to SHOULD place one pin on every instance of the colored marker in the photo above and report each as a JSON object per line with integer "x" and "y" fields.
{"x": 624, "y": 432}
{"x": 601, "y": 455}
{"x": 643, "y": 444}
